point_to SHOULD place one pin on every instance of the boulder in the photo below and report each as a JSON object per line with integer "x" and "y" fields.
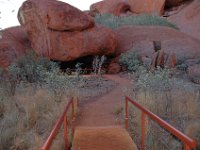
{"x": 13, "y": 44}
{"x": 155, "y": 7}
{"x": 118, "y": 7}
{"x": 141, "y": 38}
{"x": 171, "y": 61}
{"x": 188, "y": 19}
{"x": 72, "y": 38}
{"x": 194, "y": 73}
{"x": 161, "y": 59}
{"x": 54, "y": 15}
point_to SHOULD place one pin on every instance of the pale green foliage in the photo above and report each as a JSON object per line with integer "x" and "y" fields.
{"x": 59, "y": 84}
{"x": 113, "y": 22}
{"x": 173, "y": 99}
{"x": 98, "y": 63}
{"x": 78, "y": 70}
{"x": 156, "y": 80}
{"x": 130, "y": 60}
{"x": 31, "y": 68}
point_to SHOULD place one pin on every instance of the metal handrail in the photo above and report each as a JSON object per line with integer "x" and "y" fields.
{"x": 188, "y": 142}
{"x": 62, "y": 119}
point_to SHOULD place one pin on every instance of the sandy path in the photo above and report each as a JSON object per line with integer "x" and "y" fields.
{"x": 100, "y": 111}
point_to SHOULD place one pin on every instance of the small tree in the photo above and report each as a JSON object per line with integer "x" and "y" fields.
{"x": 78, "y": 70}
{"x": 98, "y": 63}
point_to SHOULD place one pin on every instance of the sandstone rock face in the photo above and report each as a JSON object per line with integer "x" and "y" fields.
{"x": 118, "y": 7}
{"x": 13, "y": 44}
{"x": 114, "y": 68}
{"x": 141, "y": 38}
{"x": 54, "y": 15}
{"x": 62, "y": 32}
{"x": 160, "y": 59}
{"x": 188, "y": 19}
{"x": 147, "y": 6}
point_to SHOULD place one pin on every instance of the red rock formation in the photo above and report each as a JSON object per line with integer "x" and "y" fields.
{"x": 118, "y": 7}
{"x": 161, "y": 59}
{"x": 140, "y": 38}
{"x": 147, "y": 6}
{"x": 171, "y": 60}
{"x": 158, "y": 60}
{"x": 13, "y": 44}
{"x": 54, "y": 15}
{"x": 154, "y": 60}
{"x": 188, "y": 19}
{"x": 54, "y": 28}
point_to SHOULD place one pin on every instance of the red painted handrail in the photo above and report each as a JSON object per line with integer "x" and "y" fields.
{"x": 188, "y": 142}
{"x": 62, "y": 119}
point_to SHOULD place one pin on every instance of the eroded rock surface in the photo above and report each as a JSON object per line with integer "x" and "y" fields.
{"x": 13, "y": 44}
{"x": 141, "y": 38}
{"x": 118, "y": 7}
{"x": 188, "y": 19}
{"x": 62, "y": 32}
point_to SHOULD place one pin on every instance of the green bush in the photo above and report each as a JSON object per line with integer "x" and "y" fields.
{"x": 59, "y": 84}
{"x": 113, "y": 22}
{"x": 157, "y": 80}
{"x": 31, "y": 68}
{"x": 130, "y": 60}
{"x": 173, "y": 99}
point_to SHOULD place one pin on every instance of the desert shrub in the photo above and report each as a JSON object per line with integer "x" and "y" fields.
{"x": 175, "y": 100}
{"x": 130, "y": 60}
{"x": 31, "y": 68}
{"x": 113, "y": 22}
{"x": 8, "y": 83}
{"x": 60, "y": 84}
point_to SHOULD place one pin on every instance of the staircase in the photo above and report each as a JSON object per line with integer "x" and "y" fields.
{"x": 94, "y": 127}
{"x": 102, "y": 138}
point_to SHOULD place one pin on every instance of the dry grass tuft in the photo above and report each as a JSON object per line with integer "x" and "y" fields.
{"x": 175, "y": 100}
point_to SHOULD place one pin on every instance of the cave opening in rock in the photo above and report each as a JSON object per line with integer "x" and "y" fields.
{"x": 85, "y": 63}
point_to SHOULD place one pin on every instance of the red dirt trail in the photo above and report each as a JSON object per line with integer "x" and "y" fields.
{"x": 97, "y": 127}
{"x": 100, "y": 111}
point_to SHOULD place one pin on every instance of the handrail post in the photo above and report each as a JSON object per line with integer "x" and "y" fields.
{"x": 186, "y": 147}
{"x": 126, "y": 113}
{"x": 73, "y": 116}
{"x": 143, "y": 130}
{"x": 66, "y": 133}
